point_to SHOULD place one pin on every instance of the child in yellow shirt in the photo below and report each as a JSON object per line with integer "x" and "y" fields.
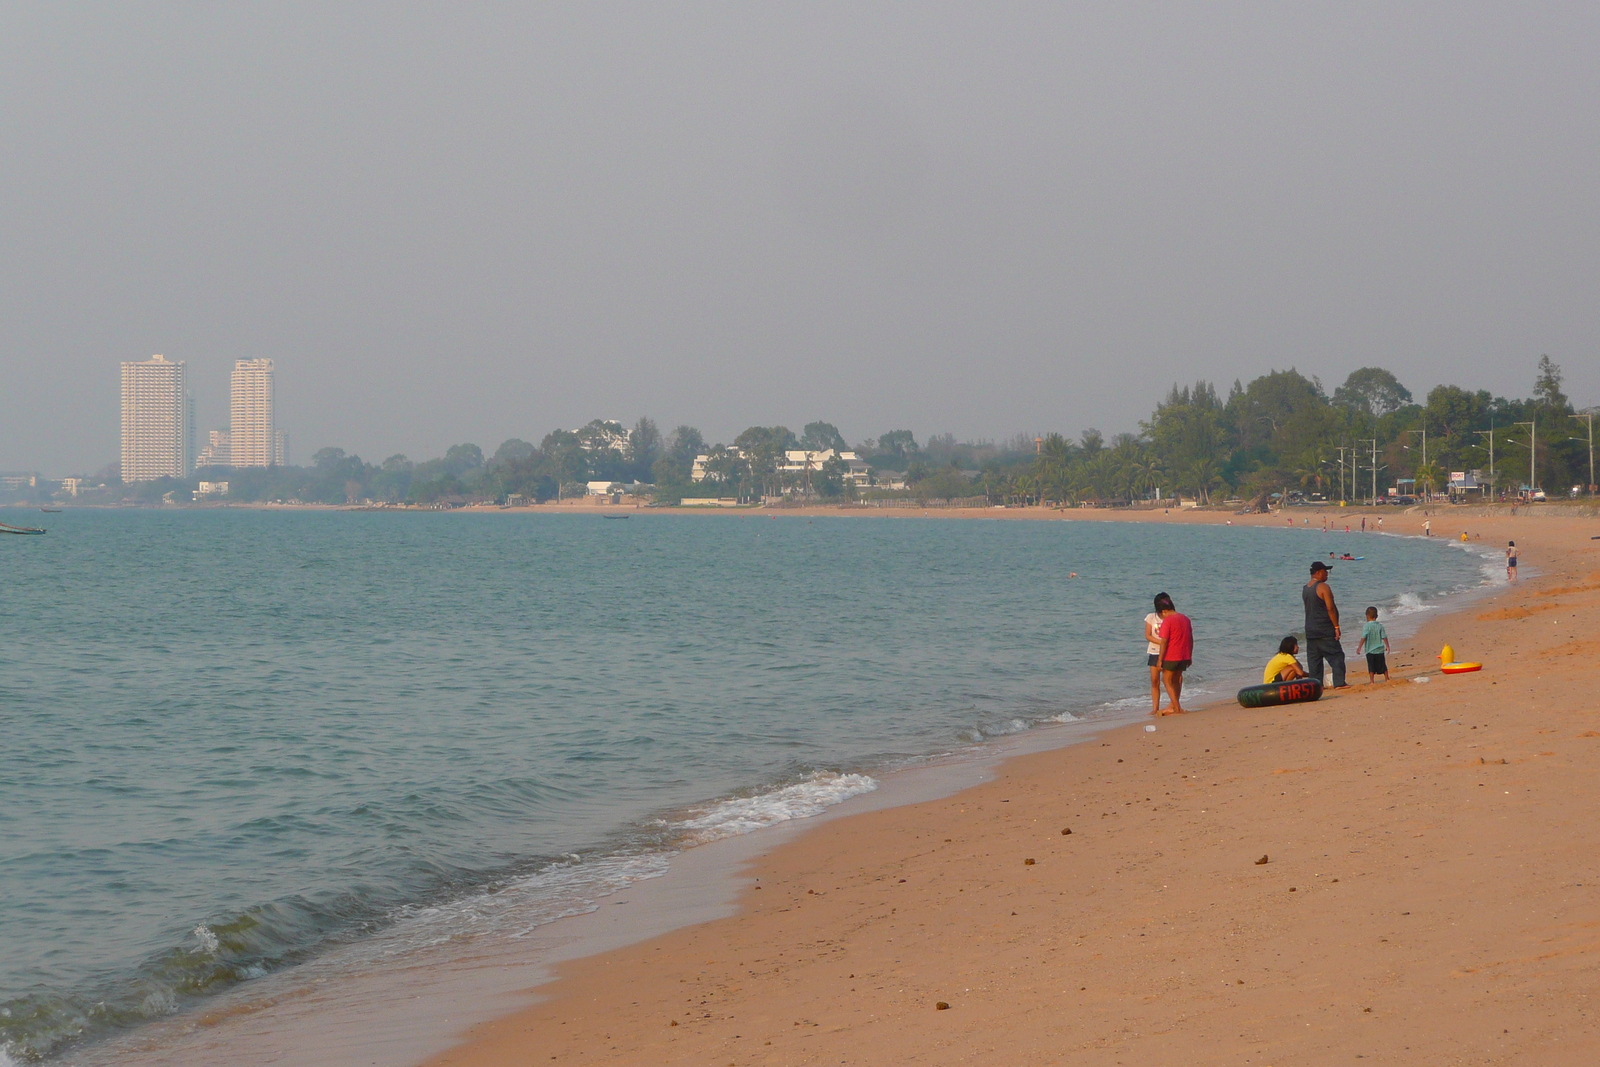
{"x": 1284, "y": 667}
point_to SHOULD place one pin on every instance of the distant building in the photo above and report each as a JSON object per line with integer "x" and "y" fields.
{"x": 71, "y": 486}
{"x": 212, "y": 489}
{"x": 217, "y": 451}
{"x": 1464, "y": 483}
{"x": 799, "y": 461}
{"x": 13, "y": 482}
{"x": 698, "y": 471}
{"x": 157, "y": 417}
{"x": 253, "y": 438}
{"x": 604, "y": 435}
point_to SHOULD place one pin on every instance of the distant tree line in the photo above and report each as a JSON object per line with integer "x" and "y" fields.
{"x": 1282, "y": 432}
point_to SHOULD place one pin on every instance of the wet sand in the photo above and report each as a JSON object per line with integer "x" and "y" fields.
{"x": 1431, "y": 890}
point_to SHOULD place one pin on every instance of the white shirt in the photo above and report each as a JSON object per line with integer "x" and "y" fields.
{"x": 1152, "y": 620}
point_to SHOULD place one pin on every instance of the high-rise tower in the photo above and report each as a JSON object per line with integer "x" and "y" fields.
{"x": 156, "y": 436}
{"x": 254, "y": 440}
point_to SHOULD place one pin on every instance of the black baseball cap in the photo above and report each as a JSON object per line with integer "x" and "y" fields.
{"x": 1318, "y": 566}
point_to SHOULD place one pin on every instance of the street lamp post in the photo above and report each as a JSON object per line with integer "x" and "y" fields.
{"x": 1588, "y": 418}
{"x": 1424, "y": 433}
{"x": 1490, "y": 434}
{"x": 1533, "y": 455}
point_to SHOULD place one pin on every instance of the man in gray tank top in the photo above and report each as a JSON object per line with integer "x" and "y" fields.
{"x": 1322, "y": 627}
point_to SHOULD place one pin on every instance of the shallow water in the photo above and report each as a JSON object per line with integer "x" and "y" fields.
{"x": 237, "y": 739}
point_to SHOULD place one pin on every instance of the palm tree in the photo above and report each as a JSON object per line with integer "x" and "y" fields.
{"x": 1429, "y": 476}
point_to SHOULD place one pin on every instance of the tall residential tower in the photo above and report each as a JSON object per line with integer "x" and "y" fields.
{"x": 157, "y": 438}
{"x": 254, "y": 437}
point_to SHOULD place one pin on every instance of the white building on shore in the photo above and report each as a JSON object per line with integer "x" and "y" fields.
{"x": 800, "y": 462}
{"x": 157, "y": 420}
{"x": 254, "y": 439}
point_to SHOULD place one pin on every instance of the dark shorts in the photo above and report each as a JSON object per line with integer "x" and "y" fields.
{"x": 1153, "y": 659}
{"x": 1177, "y": 666}
{"x": 1377, "y": 663}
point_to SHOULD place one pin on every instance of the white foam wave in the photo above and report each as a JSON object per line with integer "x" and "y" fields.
{"x": 1066, "y": 716}
{"x": 208, "y": 940}
{"x": 5, "y": 1057}
{"x": 1409, "y": 604}
{"x": 801, "y": 800}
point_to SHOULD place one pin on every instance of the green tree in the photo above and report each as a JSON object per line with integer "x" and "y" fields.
{"x": 896, "y": 449}
{"x": 1372, "y": 391}
{"x": 821, "y": 436}
{"x": 1547, "y": 386}
{"x": 764, "y": 447}
{"x": 644, "y": 446}
{"x": 686, "y": 443}
{"x": 511, "y": 450}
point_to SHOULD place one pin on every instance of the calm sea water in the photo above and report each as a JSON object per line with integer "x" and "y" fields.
{"x": 234, "y": 739}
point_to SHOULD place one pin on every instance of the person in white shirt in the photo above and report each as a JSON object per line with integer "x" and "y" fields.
{"x": 1152, "y": 648}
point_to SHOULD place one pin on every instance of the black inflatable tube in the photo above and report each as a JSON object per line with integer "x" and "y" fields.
{"x": 1299, "y": 691}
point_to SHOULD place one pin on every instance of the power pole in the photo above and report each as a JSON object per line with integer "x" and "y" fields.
{"x": 1374, "y": 467}
{"x": 1588, "y": 418}
{"x": 1341, "y": 473}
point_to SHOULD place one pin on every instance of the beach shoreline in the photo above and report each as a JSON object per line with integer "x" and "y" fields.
{"x": 776, "y": 981}
{"x": 711, "y": 877}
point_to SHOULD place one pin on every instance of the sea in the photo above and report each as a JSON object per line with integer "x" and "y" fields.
{"x": 239, "y": 742}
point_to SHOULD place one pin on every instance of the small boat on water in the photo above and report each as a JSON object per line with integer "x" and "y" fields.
{"x": 6, "y": 527}
{"x": 51, "y": 511}
{"x": 616, "y": 516}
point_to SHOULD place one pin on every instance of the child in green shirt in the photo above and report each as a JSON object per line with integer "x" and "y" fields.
{"x": 1375, "y": 643}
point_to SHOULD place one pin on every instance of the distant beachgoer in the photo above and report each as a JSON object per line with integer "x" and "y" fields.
{"x": 1511, "y": 561}
{"x": 1363, "y": 524}
{"x": 1152, "y": 647}
{"x": 1284, "y": 667}
{"x": 1322, "y": 626}
{"x": 1375, "y": 645}
{"x": 1427, "y": 527}
{"x": 1380, "y": 523}
{"x": 1176, "y": 637}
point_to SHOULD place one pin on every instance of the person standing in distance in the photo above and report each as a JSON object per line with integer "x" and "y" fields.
{"x": 1511, "y": 561}
{"x": 1322, "y": 627}
{"x": 1176, "y": 637}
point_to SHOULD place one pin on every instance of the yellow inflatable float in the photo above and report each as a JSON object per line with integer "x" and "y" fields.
{"x": 1448, "y": 664}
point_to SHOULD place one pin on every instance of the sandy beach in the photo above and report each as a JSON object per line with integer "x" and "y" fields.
{"x": 1403, "y": 873}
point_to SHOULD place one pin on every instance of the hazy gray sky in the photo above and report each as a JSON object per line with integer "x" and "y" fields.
{"x": 456, "y": 222}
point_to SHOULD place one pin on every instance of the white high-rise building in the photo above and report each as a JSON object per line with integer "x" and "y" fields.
{"x": 216, "y": 452}
{"x": 253, "y": 437}
{"x": 156, "y": 413}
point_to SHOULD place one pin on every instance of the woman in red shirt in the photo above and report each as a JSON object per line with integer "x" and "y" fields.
{"x": 1177, "y": 651}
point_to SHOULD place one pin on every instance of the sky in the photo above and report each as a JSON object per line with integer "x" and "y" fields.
{"x": 469, "y": 222}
